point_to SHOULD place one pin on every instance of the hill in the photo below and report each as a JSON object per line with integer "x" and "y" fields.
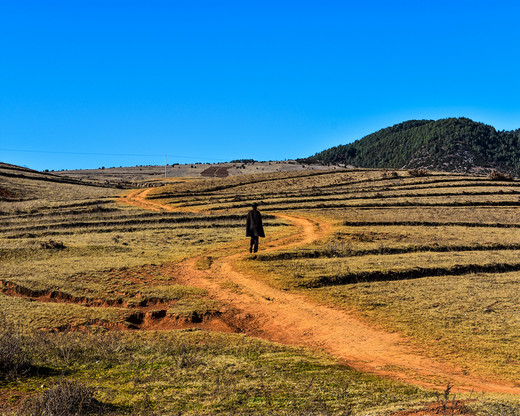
{"x": 452, "y": 144}
{"x": 154, "y": 173}
{"x": 22, "y": 184}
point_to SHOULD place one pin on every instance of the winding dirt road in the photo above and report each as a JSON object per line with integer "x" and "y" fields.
{"x": 290, "y": 318}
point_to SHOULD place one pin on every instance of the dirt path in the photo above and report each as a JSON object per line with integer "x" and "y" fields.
{"x": 289, "y": 318}
{"x": 137, "y": 198}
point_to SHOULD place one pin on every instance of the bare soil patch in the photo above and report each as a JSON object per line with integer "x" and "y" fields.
{"x": 215, "y": 172}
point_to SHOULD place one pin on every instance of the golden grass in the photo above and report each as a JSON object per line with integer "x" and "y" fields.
{"x": 49, "y": 315}
{"x": 474, "y": 215}
{"x": 471, "y": 320}
{"x": 329, "y": 271}
{"x": 86, "y": 263}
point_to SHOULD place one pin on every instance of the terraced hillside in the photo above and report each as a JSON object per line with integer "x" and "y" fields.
{"x": 434, "y": 257}
{"x": 148, "y": 297}
{"x": 86, "y": 283}
{"x": 77, "y": 244}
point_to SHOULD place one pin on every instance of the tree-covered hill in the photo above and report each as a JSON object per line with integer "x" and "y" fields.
{"x": 452, "y": 144}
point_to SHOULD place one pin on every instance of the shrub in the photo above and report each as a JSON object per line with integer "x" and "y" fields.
{"x": 52, "y": 245}
{"x": 14, "y": 360}
{"x": 65, "y": 398}
{"x": 334, "y": 249}
{"x": 67, "y": 348}
{"x": 186, "y": 358}
{"x": 499, "y": 176}
{"x": 418, "y": 172}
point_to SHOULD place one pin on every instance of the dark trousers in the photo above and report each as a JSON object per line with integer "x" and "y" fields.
{"x": 254, "y": 244}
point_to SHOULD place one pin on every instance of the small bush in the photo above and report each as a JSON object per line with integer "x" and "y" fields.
{"x": 499, "y": 176}
{"x": 418, "y": 172}
{"x": 52, "y": 245}
{"x": 187, "y": 358}
{"x": 64, "y": 348}
{"x": 334, "y": 249}
{"x": 99, "y": 207}
{"x": 64, "y": 399}
{"x": 14, "y": 360}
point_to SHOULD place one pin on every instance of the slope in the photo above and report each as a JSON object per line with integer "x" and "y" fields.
{"x": 290, "y": 318}
{"x": 452, "y": 144}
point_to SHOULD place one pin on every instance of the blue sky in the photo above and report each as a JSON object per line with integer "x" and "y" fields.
{"x": 85, "y": 84}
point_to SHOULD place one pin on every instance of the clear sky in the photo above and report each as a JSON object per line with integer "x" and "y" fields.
{"x": 91, "y": 83}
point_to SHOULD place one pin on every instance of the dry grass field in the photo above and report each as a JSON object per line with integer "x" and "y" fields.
{"x": 442, "y": 269}
{"x": 145, "y": 303}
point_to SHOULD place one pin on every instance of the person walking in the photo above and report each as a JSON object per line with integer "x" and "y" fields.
{"x": 254, "y": 227}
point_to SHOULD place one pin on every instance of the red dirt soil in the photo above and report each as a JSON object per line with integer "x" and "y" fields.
{"x": 290, "y": 318}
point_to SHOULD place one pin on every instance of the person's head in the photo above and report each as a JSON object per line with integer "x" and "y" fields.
{"x": 254, "y": 205}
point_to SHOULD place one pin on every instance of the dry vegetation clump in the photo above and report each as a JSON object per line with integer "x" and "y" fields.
{"x": 418, "y": 172}
{"x": 14, "y": 357}
{"x": 499, "y": 176}
{"x": 6, "y": 194}
{"x": 64, "y": 398}
{"x": 52, "y": 245}
{"x": 389, "y": 174}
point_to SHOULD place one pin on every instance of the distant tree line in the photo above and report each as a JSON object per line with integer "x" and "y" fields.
{"x": 243, "y": 161}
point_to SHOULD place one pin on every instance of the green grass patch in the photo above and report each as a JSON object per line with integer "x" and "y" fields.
{"x": 196, "y": 372}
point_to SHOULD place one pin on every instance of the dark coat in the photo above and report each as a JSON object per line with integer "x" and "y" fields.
{"x": 254, "y": 224}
